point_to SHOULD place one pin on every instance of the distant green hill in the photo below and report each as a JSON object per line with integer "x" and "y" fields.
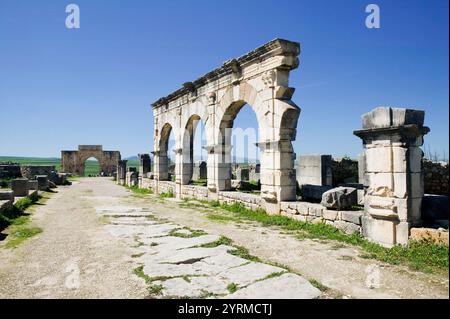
{"x": 91, "y": 167}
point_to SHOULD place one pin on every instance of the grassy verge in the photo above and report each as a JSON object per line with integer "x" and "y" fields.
{"x": 17, "y": 219}
{"x": 166, "y": 195}
{"x": 139, "y": 191}
{"x": 422, "y": 256}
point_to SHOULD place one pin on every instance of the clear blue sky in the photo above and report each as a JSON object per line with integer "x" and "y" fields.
{"x": 60, "y": 87}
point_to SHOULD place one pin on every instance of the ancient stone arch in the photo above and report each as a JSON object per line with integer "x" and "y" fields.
{"x": 260, "y": 79}
{"x": 73, "y": 161}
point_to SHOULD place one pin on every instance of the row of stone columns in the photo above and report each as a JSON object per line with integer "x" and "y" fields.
{"x": 391, "y": 138}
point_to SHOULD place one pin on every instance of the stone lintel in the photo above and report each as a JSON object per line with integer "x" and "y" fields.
{"x": 273, "y": 48}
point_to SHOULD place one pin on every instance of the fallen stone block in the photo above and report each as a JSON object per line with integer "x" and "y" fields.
{"x": 33, "y": 185}
{"x": 6, "y": 195}
{"x": 43, "y": 184}
{"x": 340, "y": 198}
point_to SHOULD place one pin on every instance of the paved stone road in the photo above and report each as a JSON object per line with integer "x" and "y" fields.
{"x": 178, "y": 264}
{"x": 75, "y": 255}
{"x": 96, "y": 234}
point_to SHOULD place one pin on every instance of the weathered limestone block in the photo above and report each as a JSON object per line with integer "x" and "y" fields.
{"x": 330, "y": 214}
{"x": 346, "y": 227}
{"x": 33, "y": 185}
{"x": 314, "y": 170}
{"x": 352, "y": 216}
{"x": 20, "y": 187}
{"x": 340, "y": 198}
{"x": 43, "y": 182}
{"x": 6, "y": 195}
{"x": 315, "y": 210}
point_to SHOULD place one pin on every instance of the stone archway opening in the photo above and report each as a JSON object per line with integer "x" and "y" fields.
{"x": 194, "y": 170}
{"x": 239, "y": 131}
{"x": 91, "y": 167}
{"x": 165, "y": 159}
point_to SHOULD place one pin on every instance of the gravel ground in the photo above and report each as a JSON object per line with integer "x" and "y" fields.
{"x": 82, "y": 254}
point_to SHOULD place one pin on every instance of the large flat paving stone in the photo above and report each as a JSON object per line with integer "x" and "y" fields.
{"x": 286, "y": 286}
{"x": 248, "y": 273}
{"x": 175, "y": 243}
{"x": 189, "y": 255}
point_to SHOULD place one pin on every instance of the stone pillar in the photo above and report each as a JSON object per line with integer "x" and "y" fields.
{"x": 145, "y": 164}
{"x": 392, "y": 138}
{"x": 362, "y": 170}
{"x": 218, "y": 168}
{"x": 181, "y": 176}
{"x": 121, "y": 172}
{"x": 161, "y": 165}
{"x": 278, "y": 182}
{"x": 314, "y": 170}
{"x": 199, "y": 171}
{"x": 20, "y": 187}
{"x": 242, "y": 174}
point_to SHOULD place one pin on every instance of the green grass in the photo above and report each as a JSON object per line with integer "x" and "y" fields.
{"x": 221, "y": 241}
{"x": 243, "y": 252}
{"x": 423, "y": 256}
{"x": 232, "y": 288}
{"x": 21, "y": 234}
{"x": 17, "y": 220}
{"x": 17, "y": 215}
{"x": 193, "y": 233}
{"x": 167, "y": 195}
{"x": 220, "y": 218}
{"x": 318, "y": 285}
{"x": 140, "y": 191}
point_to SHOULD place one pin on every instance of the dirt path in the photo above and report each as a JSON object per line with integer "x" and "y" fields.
{"x": 80, "y": 254}
{"x": 74, "y": 256}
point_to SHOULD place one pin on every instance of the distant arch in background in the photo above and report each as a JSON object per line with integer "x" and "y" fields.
{"x": 74, "y": 161}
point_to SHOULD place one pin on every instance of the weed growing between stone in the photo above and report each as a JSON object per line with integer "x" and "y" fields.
{"x": 139, "y": 191}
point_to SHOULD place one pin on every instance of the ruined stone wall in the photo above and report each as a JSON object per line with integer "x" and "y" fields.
{"x": 250, "y": 201}
{"x": 347, "y": 221}
{"x": 435, "y": 176}
{"x": 192, "y": 191}
{"x": 9, "y": 170}
{"x": 166, "y": 187}
{"x": 147, "y": 183}
{"x": 30, "y": 171}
